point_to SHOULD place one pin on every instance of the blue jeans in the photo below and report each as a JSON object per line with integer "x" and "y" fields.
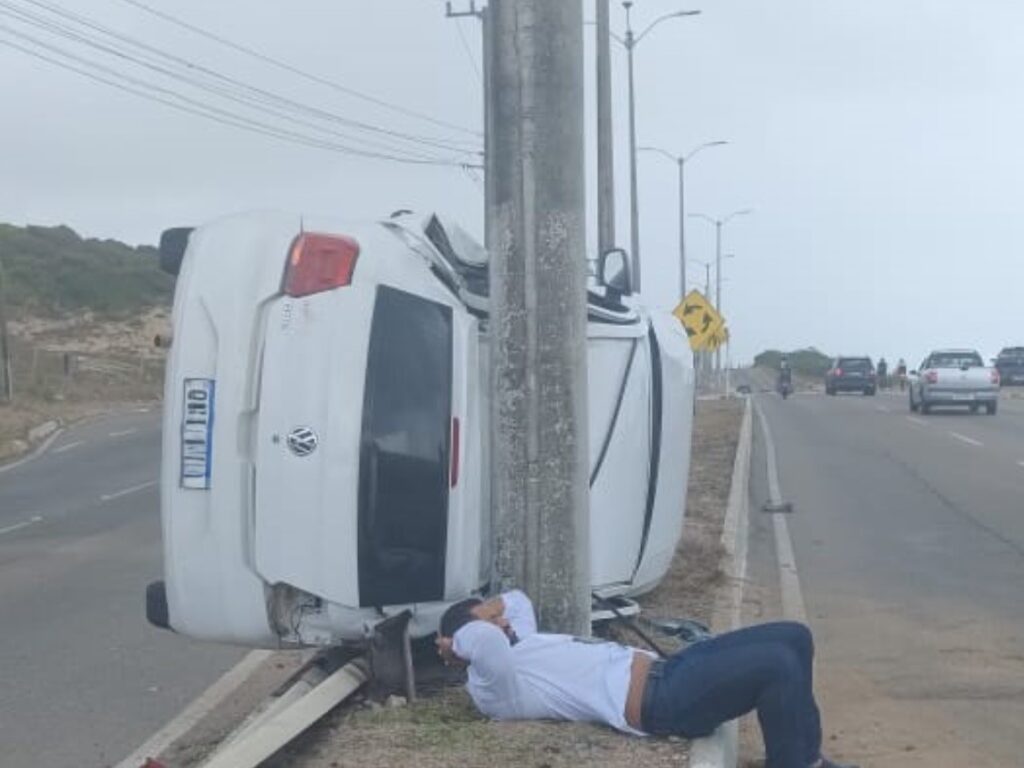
{"x": 767, "y": 667}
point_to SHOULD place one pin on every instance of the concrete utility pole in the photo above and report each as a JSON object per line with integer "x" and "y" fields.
{"x": 539, "y": 460}
{"x": 605, "y": 142}
{"x": 484, "y": 15}
{"x": 6, "y": 370}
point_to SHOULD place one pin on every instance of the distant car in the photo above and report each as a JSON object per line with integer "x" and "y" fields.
{"x": 1010, "y": 364}
{"x": 954, "y": 377}
{"x": 851, "y": 374}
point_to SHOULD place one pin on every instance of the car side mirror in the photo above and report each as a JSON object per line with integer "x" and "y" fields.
{"x": 613, "y": 272}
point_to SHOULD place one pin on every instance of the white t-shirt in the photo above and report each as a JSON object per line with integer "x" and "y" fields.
{"x": 544, "y": 676}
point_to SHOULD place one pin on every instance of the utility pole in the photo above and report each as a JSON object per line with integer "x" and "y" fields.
{"x": 634, "y": 201}
{"x": 484, "y": 15}
{"x": 539, "y": 446}
{"x": 605, "y": 142}
{"x": 6, "y": 370}
{"x": 718, "y": 285}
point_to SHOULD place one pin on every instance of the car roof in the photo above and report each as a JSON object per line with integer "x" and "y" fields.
{"x": 953, "y": 351}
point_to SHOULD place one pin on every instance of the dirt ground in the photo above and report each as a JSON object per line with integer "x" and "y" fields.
{"x": 443, "y": 729}
{"x": 115, "y": 365}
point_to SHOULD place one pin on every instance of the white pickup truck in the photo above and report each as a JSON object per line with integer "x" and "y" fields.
{"x": 954, "y": 377}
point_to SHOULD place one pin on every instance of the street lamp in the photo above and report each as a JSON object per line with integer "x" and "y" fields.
{"x": 719, "y": 223}
{"x": 681, "y": 161}
{"x": 631, "y": 41}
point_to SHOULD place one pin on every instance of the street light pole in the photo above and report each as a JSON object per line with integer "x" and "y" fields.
{"x": 605, "y": 143}
{"x": 631, "y": 41}
{"x": 634, "y": 202}
{"x": 719, "y": 224}
{"x": 681, "y": 161}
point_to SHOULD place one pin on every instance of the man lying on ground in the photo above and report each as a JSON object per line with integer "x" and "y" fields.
{"x": 518, "y": 673}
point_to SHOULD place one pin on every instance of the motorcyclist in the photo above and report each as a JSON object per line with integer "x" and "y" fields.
{"x": 785, "y": 375}
{"x": 883, "y": 372}
{"x": 901, "y": 373}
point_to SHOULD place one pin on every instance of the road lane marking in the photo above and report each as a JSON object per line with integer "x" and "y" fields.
{"x": 198, "y": 710}
{"x": 24, "y": 524}
{"x": 915, "y": 420}
{"x": 966, "y": 439}
{"x": 126, "y": 491}
{"x": 68, "y": 446}
{"x": 123, "y": 432}
{"x": 793, "y": 606}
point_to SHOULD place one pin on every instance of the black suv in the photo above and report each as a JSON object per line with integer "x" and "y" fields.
{"x": 1010, "y": 365}
{"x": 851, "y": 374}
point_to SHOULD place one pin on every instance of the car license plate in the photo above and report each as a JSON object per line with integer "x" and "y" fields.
{"x": 964, "y": 396}
{"x": 196, "y": 431}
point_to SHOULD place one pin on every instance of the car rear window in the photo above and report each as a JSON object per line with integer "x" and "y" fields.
{"x": 404, "y": 452}
{"x": 956, "y": 360}
{"x": 855, "y": 363}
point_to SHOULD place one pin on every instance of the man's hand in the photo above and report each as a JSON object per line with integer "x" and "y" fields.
{"x": 446, "y": 651}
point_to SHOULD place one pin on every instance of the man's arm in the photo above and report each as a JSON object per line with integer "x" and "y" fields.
{"x": 487, "y": 650}
{"x": 519, "y": 613}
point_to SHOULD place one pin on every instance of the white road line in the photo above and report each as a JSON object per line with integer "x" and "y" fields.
{"x": 68, "y": 446}
{"x": 195, "y": 712}
{"x": 24, "y": 524}
{"x": 43, "y": 447}
{"x": 966, "y": 439}
{"x": 793, "y": 606}
{"x": 126, "y": 491}
{"x": 123, "y": 432}
{"x": 915, "y": 420}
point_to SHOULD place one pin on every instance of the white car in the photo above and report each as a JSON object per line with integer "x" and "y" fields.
{"x": 954, "y": 377}
{"x": 325, "y": 430}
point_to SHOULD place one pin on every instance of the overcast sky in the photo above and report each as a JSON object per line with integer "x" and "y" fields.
{"x": 880, "y": 143}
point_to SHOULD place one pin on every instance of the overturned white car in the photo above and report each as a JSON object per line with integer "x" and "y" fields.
{"x": 325, "y": 431}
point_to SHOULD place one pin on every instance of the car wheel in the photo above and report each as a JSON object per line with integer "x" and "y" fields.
{"x": 974, "y": 408}
{"x": 869, "y": 392}
{"x": 990, "y": 408}
{"x": 925, "y": 408}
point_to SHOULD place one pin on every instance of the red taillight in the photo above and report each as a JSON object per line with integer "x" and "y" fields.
{"x": 839, "y": 371}
{"x": 455, "y": 453}
{"x": 995, "y": 376}
{"x": 932, "y": 377}
{"x": 318, "y": 263}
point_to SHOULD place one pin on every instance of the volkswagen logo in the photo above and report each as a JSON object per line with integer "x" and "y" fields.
{"x": 302, "y": 441}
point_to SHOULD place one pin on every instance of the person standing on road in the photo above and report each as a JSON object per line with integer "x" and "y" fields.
{"x": 883, "y": 373}
{"x": 518, "y": 673}
{"x": 901, "y": 373}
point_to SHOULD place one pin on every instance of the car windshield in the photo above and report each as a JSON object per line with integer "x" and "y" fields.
{"x": 956, "y": 360}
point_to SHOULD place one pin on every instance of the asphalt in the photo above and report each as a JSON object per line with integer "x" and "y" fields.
{"x": 908, "y": 533}
{"x": 85, "y": 679}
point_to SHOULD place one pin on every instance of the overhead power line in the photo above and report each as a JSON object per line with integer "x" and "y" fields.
{"x": 168, "y": 97}
{"x": 297, "y": 71}
{"x": 237, "y": 90}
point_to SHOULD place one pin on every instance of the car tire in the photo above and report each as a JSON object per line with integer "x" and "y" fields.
{"x": 990, "y": 408}
{"x": 869, "y": 392}
{"x": 974, "y": 408}
{"x": 913, "y": 405}
{"x": 830, "y": 392}
{"x": 925, "y": 408}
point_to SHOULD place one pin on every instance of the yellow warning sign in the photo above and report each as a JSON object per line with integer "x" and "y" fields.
{"x": 704, "y": 326}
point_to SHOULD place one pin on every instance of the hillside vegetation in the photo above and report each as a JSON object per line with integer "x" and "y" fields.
{"x": 51, "y": 271}
{"x": 809, "y": 362}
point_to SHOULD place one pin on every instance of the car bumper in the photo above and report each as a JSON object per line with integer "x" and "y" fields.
{"x": 852, "y": 385}
{"x": 945, "y": 397}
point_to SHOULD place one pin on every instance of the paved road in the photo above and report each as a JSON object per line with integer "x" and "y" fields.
{"x": 908, "y": 533}
{"x": 85, "y": 678}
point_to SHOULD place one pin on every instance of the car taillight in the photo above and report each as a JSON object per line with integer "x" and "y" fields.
{"x": 995, "y": 376}
{"x": 319, "y": 263}
{"x": 455, "y": 453}
{"x": 839, "y": 371}
{"x": 932, "y": 377}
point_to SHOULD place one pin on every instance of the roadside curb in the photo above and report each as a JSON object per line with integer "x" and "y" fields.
{"x": 721, "y": 749}
{"x": 40, "y": 437}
